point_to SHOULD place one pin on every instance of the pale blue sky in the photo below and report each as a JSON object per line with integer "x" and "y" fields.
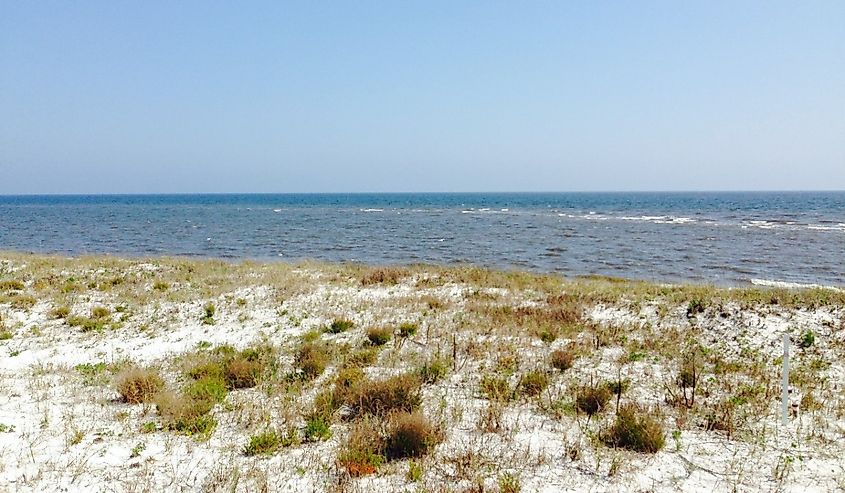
{"x": 142, "y": 97}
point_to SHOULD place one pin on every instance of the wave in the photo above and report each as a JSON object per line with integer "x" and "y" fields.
{"x": 791, "y": 285}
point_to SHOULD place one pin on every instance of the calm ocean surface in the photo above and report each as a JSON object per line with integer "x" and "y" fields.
{"x": 721, "y": 238}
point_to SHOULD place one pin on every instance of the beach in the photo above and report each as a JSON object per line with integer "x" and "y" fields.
{"x": 518, "y": 381}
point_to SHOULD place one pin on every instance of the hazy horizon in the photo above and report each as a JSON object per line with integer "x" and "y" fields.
{"x": 266, "y": 97}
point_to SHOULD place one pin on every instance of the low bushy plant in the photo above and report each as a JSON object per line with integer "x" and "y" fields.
{"x": 562, "y": 359}
{"x": 136, "y": 385}
{"x": 410, "y": 435}
{"x": 340, "y": 325}
{"x": 263, "y": 443}
{"x": 635, "y": 429}
{"x": 591, "y": 400}
{"x": 383, "y": 397}
{"x": 379, "y": 336}
{"x": 533, "y": 382}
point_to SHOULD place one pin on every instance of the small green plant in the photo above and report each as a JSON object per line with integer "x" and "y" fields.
{"x": 76, "y": 437}
{"x": 161, "y": 286}
{"x": 807, "y": 339}
{"x": 695, "y": 306}
{"x": 408, "y": 329}
{"x": 4, "y": 428}
{"x": 533, "y": 383}
{"x": 86, "y": 324}
{"x": 379, "y": 336}
{"x": 5, "y": 335}
{"x": 676, "y": 436}
{"x": 415, "y": 471}
{"x": 208, "y": 388}
{"x": 149, "y": 427}
{"x": 339, "y": 325}
{"x": 316, "y": 429}
{"x": 509, "y": 483}
{"x": 208, "y": 314}
{"x": 92, "y": 373}
{"x": 136, "y": 450}
{"x": 263, "y": 444}
{"x": 432, "y": 371}
{"x": 496, "y": 388}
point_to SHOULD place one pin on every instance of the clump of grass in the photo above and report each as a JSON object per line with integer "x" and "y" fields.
{"x": 100, "y": 312}
{"x": 161, "y": 286}
{"x": 136, "y": 385}
{"x": 509, "y": 483}
{"x": 86, "y": 324}
{"x": 562, "y": 359}
{"x": 339, "y": 325}
{"x": 208, "y": 312}
{"x": 433, "y": 370}
{"x": 241, "y": 372}
{"x": 263, "y": 443}
{"x": 362, "y": 452}
{"x": 209, "y": 388}
{"x": 382, "y": 397}
{"x": 60, "y": 312}
{"x": 384, "y": 275}
{"x": 496, "y": 388}
{"x": 408, "y": 329}
{"x": 591, "y": 400}
{"x": 635, "y": 429}
{"x": 533, "y": 382}
{"x": 696, "y": 306}
{"x": 185, "y": 415}
{"x": 317, "y": 428}
{"x": 19, "y": 301}
{"x": 311, "y": 360}
{"x": 11, "y": 285}
{"x": 5, "y": 335}
{"x": 361, "y": 357}
{"x": 410, "y": 435}
{"x": 235, "y": 369}
{"x": 379, "y": 336}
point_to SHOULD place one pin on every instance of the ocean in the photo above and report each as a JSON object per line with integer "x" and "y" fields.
{"x": 729, "y": 239}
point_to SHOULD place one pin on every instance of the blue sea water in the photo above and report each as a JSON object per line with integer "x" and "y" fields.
{"x": 720, "y": 238}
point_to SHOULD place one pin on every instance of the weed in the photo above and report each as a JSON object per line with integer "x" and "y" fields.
{"x": 562, "y": 359}
{"x": 496, "y": 388}
{"x": 339, "y": 325}
{"x": 382, "y": 397}
{"x": 5, "y": 335}
{"x": 509, "y": 483}
{"x": 136, "y": 385}
{"x": 60, "y": 312}
{"x": 591, "y": 400}
{"x": 433, "y": 370}
{"x": 635, "y": 429}
{"x": 533, "y": 382}
{"x": 410, "y": 435}
{"x": 262, "y": 444}
{"x": 316, "y": 429}
{"x": 379, "y": 336}
{"x": 311, "y": 360}
{"x": 99, "y": 312}
{"x": 208, "y": 312}
{"x": 807, "y": 339}
{"x": 408, "y": 329}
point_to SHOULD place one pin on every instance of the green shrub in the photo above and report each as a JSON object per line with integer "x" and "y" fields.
{"x": 591, "y": 400}
{"x": 635, "y": 429}
{"x": 263, "y": 444}
{"x": 696, "y": 306}
{"x": 379, "y": 336}
{"x": 208, "y": 313}
{"x": 496, "y": 388}
{"x": 317, "y": 429}
{"x": 408, "y": 329}
{"x": 533, "y": 382}
{"x": 807, "y": 339}
{"x": 209, "y": 388}
{"x": 339, "y": 325}
{"x": 432, "y": 371}
{"x": 5, "y": 335}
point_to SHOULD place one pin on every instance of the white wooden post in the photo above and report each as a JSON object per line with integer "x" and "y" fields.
{"x": 785, "y": 392}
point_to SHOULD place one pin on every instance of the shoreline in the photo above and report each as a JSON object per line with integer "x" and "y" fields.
{"x": 501, "y": 361}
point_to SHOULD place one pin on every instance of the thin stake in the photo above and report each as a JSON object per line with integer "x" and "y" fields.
{"x": 785, "y": 391}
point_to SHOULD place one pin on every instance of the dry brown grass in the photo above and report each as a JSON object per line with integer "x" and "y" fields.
{"x": 382, "y": 397}
{"x": 137, "y": 385}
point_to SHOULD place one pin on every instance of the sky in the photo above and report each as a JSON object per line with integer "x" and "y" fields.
{"x": 439, "y": 96}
